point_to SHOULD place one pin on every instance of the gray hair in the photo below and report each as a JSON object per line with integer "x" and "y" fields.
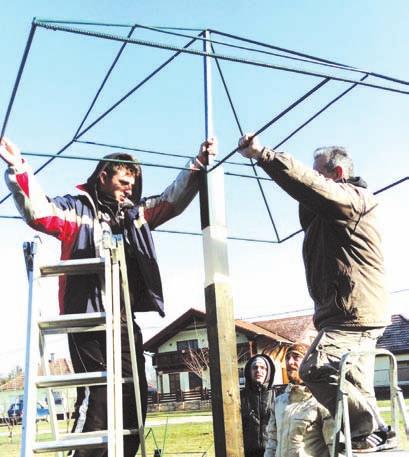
{"x": 336, "y": 156}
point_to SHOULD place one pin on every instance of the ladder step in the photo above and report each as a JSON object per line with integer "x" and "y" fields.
{"x": 74, "y": 267}
{"x": 69, "y": 323}
{"x": 75, "y": 379}
{"x": 77, "y": 441}
{"x": 68, "y": 444}
{"x": 94, "y": 434}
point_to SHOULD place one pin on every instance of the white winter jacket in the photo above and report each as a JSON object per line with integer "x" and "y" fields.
{"x": 299, "y": 426}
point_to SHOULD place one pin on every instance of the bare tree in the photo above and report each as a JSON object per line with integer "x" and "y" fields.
{"x": 196, "y": 360}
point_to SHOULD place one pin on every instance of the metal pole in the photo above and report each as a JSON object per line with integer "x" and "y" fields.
{"x": 107, "y": 293}
{"x": 117, "y": 351}
{"x": 28, "y": 431}
{"x": 132, "y": 348}
{"x": 219, "y": 303}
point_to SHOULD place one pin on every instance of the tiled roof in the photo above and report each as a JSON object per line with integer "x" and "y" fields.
{"x": 17, "y": 383}
{"x": 257, "y": 330}
{"x": 295, "y": 328}
{"x": 396, "y": 335}
{"x": 288, "y": 329}
{"x": 191, "y": 314}
{"x": 58, "y": 366}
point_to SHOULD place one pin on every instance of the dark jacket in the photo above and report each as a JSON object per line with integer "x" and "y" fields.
{"x": 342, "y": 252}
{"x": 79, "y": 222}
{"x": 256, "y": 403}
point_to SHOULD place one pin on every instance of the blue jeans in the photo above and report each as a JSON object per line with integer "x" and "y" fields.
{"x": 320, "y": 372}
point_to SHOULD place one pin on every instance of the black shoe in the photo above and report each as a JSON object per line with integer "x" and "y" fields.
{"x": 377, "y": 441}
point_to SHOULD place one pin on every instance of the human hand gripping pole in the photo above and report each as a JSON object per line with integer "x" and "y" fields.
{"x": 10, "y": 153}
{"x": 207, "y": 148}
{"x": 250, "y": 146}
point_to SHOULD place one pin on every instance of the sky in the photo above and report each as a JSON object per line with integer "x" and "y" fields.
{"x": 63, "y": 72}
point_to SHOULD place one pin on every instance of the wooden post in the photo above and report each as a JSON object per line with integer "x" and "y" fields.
{"x": 219, "y": 303}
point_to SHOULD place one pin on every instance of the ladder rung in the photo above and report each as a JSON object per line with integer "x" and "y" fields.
{"x": 84, "y": 440}
{"x": 68, "y": 444}
{"x": 73, "y": 322}
{"x": 73, "y": 267}
{"x": 76, "y": 379}
{"x": 96, "y": 433}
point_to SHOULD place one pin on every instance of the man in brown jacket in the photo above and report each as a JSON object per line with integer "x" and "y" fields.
{"x": 345, "y": 277}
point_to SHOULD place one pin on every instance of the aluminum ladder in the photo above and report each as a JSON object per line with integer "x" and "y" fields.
{"x": 111, "y": 269}
{"x": 342, "y": 411}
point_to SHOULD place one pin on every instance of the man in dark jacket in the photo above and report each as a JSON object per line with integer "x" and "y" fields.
{"x": 109, "y": 202}
{"x": 345, "y": 276}
{"x": 256, "y": 399}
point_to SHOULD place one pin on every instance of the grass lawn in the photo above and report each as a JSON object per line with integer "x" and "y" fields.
{"x": 188, "y": 439}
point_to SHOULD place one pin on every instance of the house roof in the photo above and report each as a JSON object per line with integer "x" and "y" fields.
{"x": 287, "y": 330}
{"x": 396, "y": 335}
{"x": 193, "y": 315}
{"x": 295, "y": 328}
{"x": 253, "y": 330}
{"x": 58, "y": 366}
{"x": 16, "y": 383}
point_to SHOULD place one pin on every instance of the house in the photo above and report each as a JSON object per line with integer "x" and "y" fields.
{"x": 396, "y": 340}
{"x": 181, "y": 351}
{"x": 13, "y": 390}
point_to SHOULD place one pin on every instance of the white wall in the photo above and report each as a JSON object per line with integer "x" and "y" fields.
{"x": 165, "y": 383}
{"x": 184, "y": 380}
{"x": 195, "y": 334}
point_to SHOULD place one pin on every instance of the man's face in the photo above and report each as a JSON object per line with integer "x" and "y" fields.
{"x": 320, "y": 165}
{"x": 259, "y": 371}
{"x": 293, "y": 361}
{"x": 119, "y": 186}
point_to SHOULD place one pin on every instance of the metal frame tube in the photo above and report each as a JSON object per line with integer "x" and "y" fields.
{"x": 117, "y": 354}
{"x": 218, "y": 297}
{"x": 131, "y": 336}
{"x": 28, "y": 431}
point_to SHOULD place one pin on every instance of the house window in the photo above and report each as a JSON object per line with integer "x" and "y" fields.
{"x": 242, "y": 379}
{"x": 174, "y": 382}
{"x": 187, "y": 344}
{"x": 403, "y": 370}
{"x": 57, "y": 398}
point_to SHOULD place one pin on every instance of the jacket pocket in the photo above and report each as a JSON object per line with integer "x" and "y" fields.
{"x": 345, "y": 289}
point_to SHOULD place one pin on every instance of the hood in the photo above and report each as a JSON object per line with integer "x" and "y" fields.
{"x": 357, "y": 181}
{"x": 91, "y": 184}
{"x": 270, "y": 375}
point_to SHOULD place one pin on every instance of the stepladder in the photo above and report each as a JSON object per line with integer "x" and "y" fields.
{"x": 342, "y": 441}
{"x": 110, "y": 268}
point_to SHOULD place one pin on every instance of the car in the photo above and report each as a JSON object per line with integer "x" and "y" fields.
{"x": 16, "y": 411}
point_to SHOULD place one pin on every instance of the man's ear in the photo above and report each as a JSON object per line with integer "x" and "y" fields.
{"x": 103, "y": 177}
{"x": 339, "y": 173}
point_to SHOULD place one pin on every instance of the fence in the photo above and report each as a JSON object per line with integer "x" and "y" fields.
{"x": 179, "y": 396}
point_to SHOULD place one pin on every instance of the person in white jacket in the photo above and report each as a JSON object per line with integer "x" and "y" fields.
{"x": 299, "y": 426}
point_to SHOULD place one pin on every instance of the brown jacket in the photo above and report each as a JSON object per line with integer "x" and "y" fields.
{"x": 342, "y": 248}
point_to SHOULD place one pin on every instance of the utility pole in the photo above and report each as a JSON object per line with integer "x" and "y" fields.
{"x": 218, "y": 296}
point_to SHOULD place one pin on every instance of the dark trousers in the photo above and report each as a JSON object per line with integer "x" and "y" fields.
{"x": 88, "y": 353}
